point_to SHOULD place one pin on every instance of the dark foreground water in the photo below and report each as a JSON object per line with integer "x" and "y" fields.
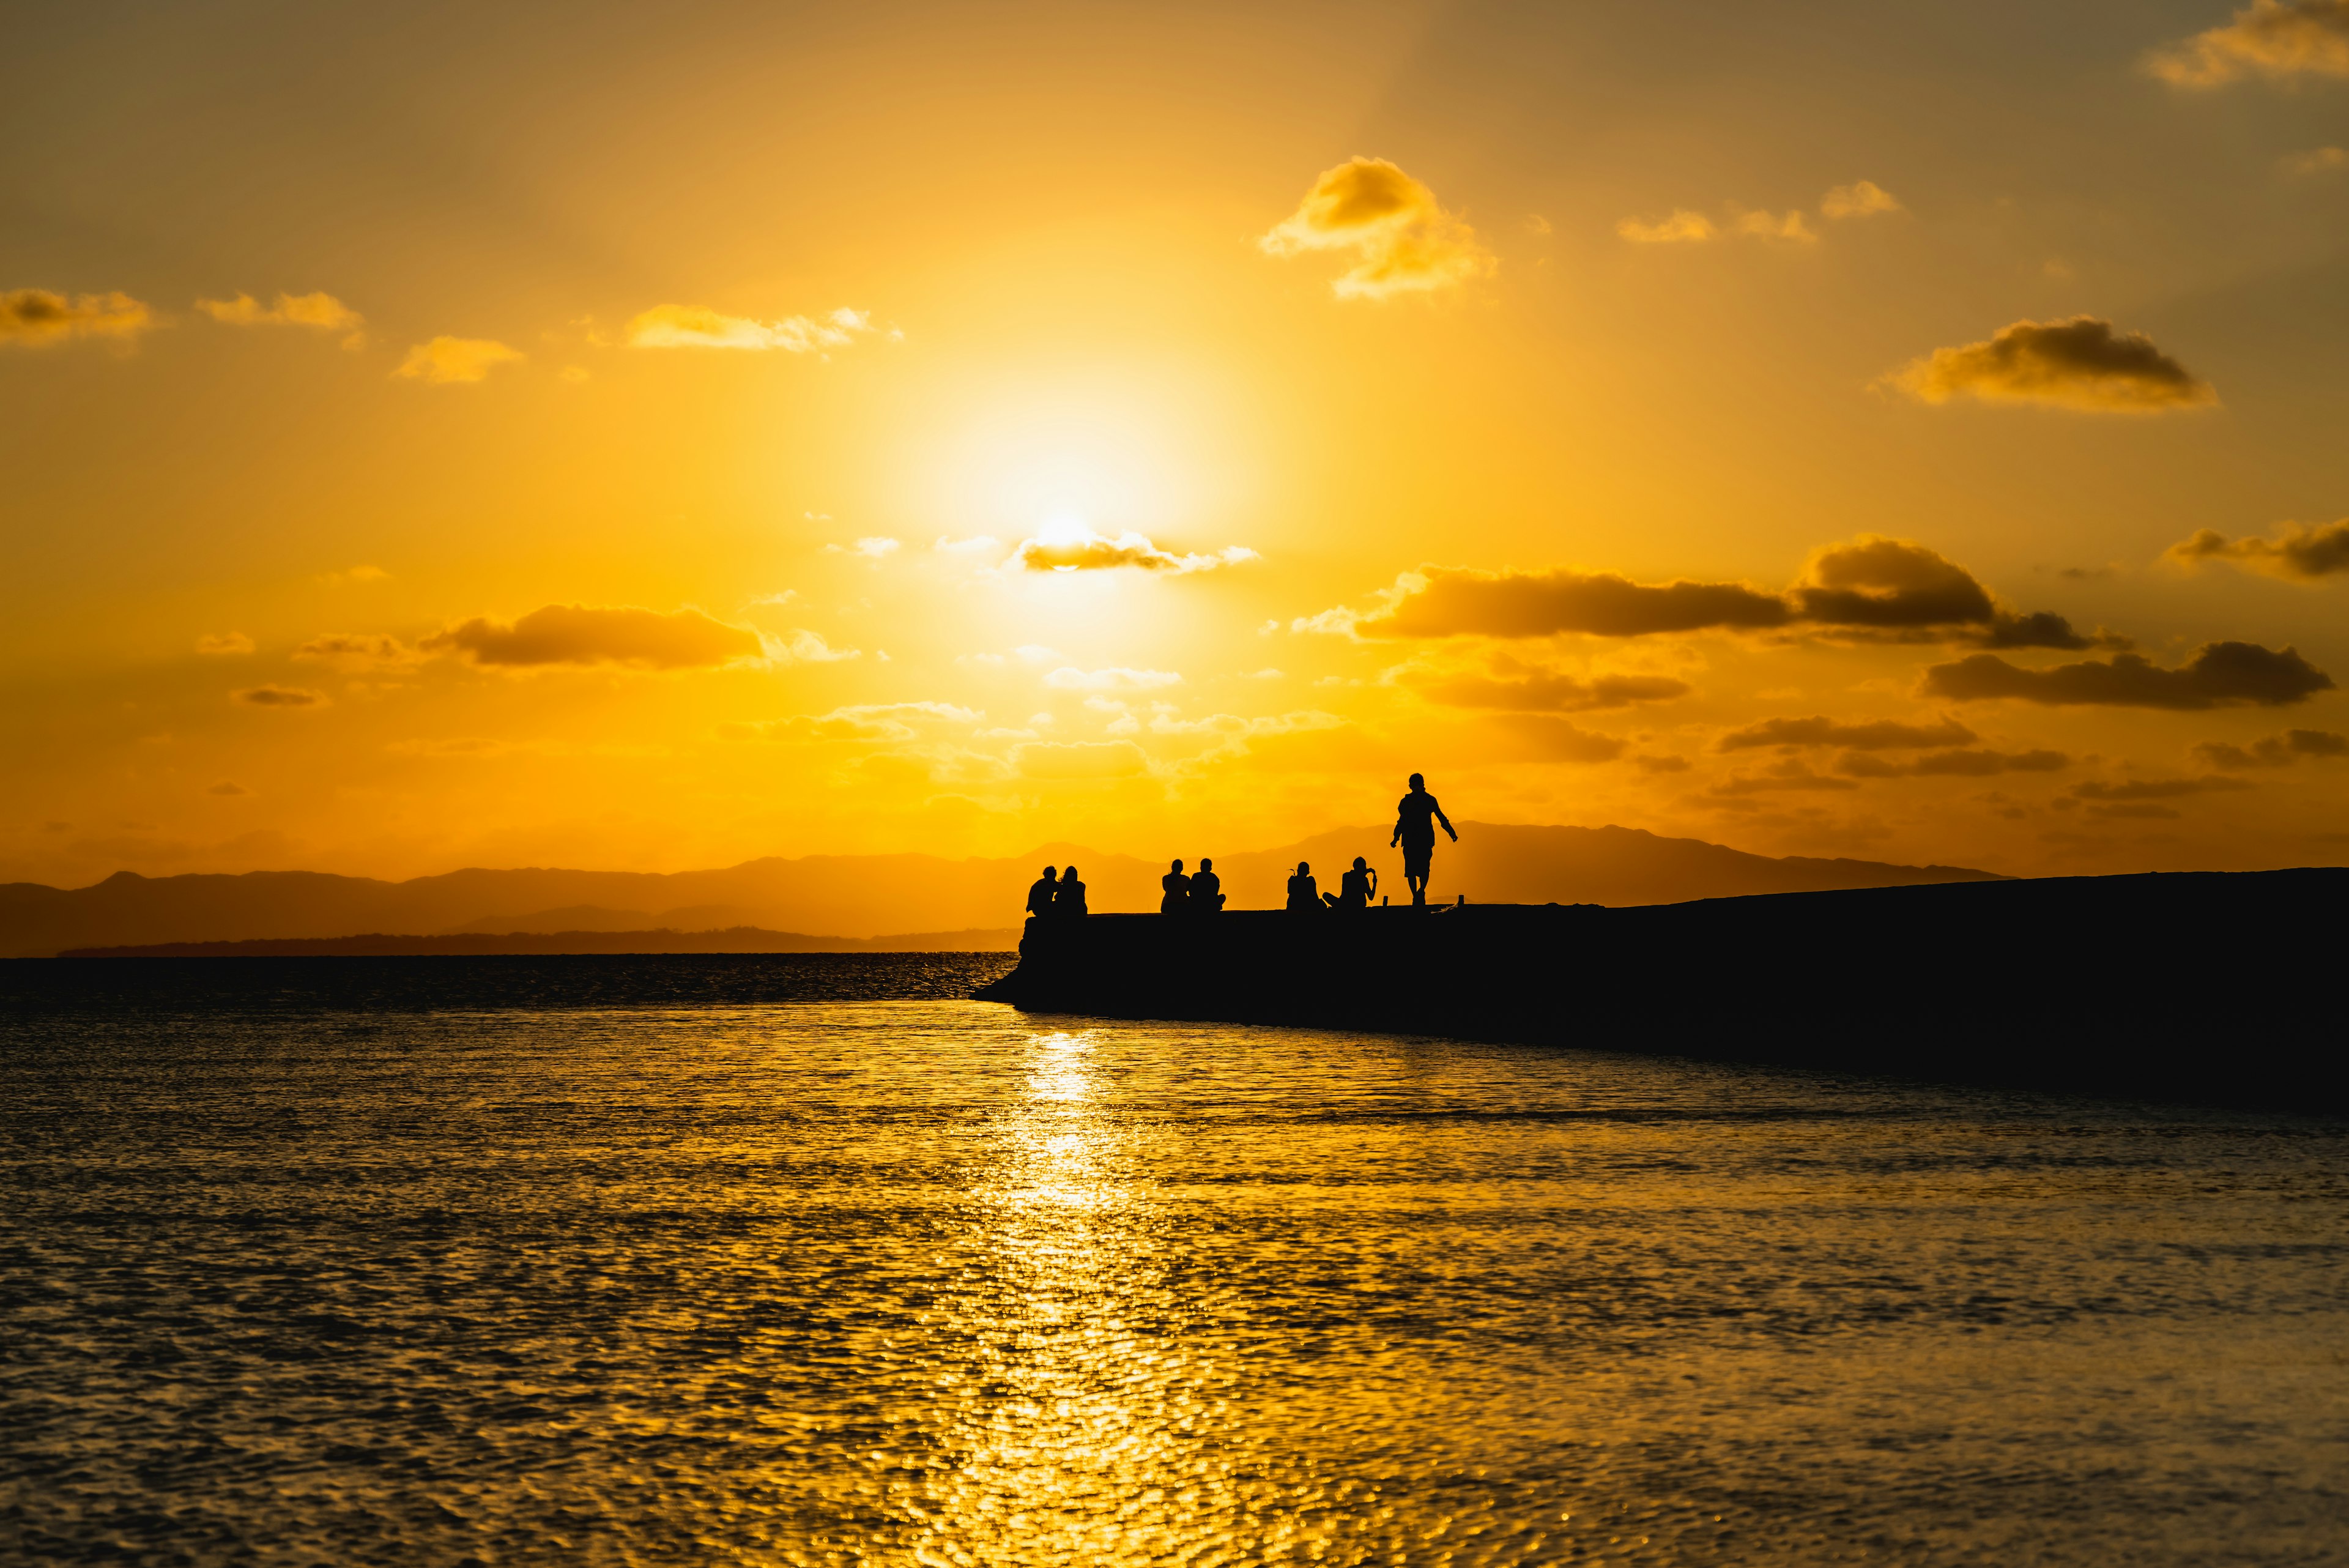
{"x": 362, "y": 1264}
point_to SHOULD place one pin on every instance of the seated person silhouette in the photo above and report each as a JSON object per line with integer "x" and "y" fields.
{"x": 1416, "y": 816}
{"x": 1207, "y": 889}
{"x": 1304, "y": 898}
{"x": 1356, "y": 889}
{"x": 1176, "y": 900}
{"x": 1069, "y": 901}
{"x": 1040, "y": 893}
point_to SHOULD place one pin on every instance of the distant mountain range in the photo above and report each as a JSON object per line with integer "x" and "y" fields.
{"x": 870, "y": 895}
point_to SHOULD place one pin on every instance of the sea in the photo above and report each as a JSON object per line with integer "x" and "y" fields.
{"x": 811, "y": 1259}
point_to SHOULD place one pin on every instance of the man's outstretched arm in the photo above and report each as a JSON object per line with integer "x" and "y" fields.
{"x": 1445, "y": 820}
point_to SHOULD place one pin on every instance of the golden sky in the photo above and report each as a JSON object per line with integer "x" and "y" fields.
{"x": 649, "y": 438}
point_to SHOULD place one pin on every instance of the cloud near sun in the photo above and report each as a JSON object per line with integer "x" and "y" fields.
{"x": 1871, "y": 589}
{"x": 2079, "y": 363}
{"x": 36, "y": 318}
{"x": 588, "y": 634}
{"x": 2273, "y": 38}
{"x": 322, "y": 312}
{"x": 696, "y": 326}
{"x": 1091, "y": 552}
{"x": 1402, "y": 240}
{"x": 447, "y": 362}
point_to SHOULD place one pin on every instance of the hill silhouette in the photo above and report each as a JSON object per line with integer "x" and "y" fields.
{"x": 872, "y": 895}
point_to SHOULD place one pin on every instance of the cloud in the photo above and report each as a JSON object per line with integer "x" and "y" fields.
{"x": 218, "y": 644}
{"x": 1514, "y": 687}
{"x": 884, "y": 721}
{"x": 696, "y": 326}
{"x": 2220, "y": 674}
{"x": 2156, "y": 789}
{"x": 1117, "y": 679}
{"x": 228, "y": 787}
{"x": 279, "y": 697}
{"x": 321, "y": 311}
{"x": 2273, "y": 750}
{"x": 2317, "y": 161}
{"x": 1063, "y": 761}
{"x": 1791, "y": 776}
{"x": 357, "y": 651}
{"x": 1648, "y": 764}
{"x": 2297, "y": 552}
{"x": 445, "y": 361}
{"x": 2273, "y": 38}
{"x": 2078, "y": 363}
{"x": 1762, "y": 225}
{"x": 1860, "y": 199}
{"x": 1403, "y": 241}
{"x": 976, "y": 544}
{"x": 1682, "y": 228}
{"x": 1967, "y": 764}
{"x": 36, "y": 318}
{"x": 355, "y": 574}
{"x": 585, "y": 634}
{"x": 1559, "y": 741}
{"x": 1870, "y": 587}
{"x": 1876, "y": 735}
{"x": 873, "y": 546}
{"x": 1089, "y": 552}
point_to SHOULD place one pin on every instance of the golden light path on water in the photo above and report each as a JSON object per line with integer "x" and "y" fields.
{"x": 932, "y": 1283}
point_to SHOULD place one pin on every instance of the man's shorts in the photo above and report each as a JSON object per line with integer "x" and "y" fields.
{"x": 1415, "y": 857}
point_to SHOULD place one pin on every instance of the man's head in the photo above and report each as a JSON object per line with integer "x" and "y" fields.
{"x": 1174, "y": 866}
{"x": 1303, "y": 869}
{"x": 1206, "y": 866}
{"x": 1361, "y": 864}
{"x": 1048, "y": 873}
{"x": 1418, "y": 781}
{"x": 1070, "y": 875}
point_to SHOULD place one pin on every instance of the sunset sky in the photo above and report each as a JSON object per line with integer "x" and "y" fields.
{"x": 650, "y": 438}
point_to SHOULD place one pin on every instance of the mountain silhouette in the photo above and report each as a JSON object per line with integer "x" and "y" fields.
{"x": 872, "y": 895}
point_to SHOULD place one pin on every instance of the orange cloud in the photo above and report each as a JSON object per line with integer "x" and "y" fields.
{"x": 1860, "y": 199}
{"x": 2273, "y": 38}
{"x": 448, "y": 360}
{"x": 36, "y": 318}
{"x": 1091, "y": 552}
{"x": 1876, "y": 735}
{"x": 2080, "y": 363}
{"x": 1683, "y": 227}
{"x": 279, "y": 697}
{"x": 2273, "y": 750}
{"x": 697, "y": 326}
{"x": 321, "y": 311}
{"x": 586, "y": 634}
{"x": 1403, "y": 241}
{"x": 218, "y": 644}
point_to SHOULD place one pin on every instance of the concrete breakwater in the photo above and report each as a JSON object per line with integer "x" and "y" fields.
{"x": 2209, "y": 986}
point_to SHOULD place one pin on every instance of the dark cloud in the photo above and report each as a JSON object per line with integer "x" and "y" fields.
{"x": 1557, "y": 741}
{"x": 228, "y": 787}
{"x": 2298, "y": 552}
{"x": 2080, "y": 363}
{"x": 1519, "y": 688}
{"x": 1661, "y": 765}
{"x": 2156, "y": 789}
{"x": 36, "y": 318}
{"x": 1973, "y": 762}
{"x": 586, "y": 634}
{"x": 1789, "y": 776}
{"x": 1878, "y": 735}
{"x": 357, "y": 651}
{"x": 2220, "y": 674}
{"x": 279, "y": 696}
{"x": 1870, "y": 588}
{"x": 2273, "y": 750}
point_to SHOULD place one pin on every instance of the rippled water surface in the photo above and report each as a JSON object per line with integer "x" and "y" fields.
{"x": 288, "y": 1279}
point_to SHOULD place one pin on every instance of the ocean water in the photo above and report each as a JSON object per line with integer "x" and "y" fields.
{"x": 774, "y": 1260}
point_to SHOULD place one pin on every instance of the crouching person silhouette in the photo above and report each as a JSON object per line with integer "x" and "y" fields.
{"x": 1040, "y": 894}
{"x": 1068, "y": 903}
{"x": 1304, "y": 897}
{"x": 1176, "y": 898}
{"x": 1207, "y": 889}
{"x": 1356, "y": 889}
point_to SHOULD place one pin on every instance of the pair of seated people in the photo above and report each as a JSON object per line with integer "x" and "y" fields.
{"x": 1355, "y": 890}
{"x": 1056, "y": 896}
{"x": 1201, "y": 893}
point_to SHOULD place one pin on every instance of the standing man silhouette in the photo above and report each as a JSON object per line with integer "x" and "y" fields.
{"x": 1416, "y": 816}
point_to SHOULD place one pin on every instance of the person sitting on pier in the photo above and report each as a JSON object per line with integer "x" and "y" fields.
{"x": 1042, "y": 892}
{"x": 1069, "y": 901}
{"x": 1416, "y": 816}
{"x": 1304, "y": 897}
{"x": 1177, "y": 897}
{"x": 1207, "y": 889}
{"x": 1356, "y": 889}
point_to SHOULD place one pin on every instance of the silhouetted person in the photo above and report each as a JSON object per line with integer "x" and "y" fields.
{"x": 1042, "y": 892}
{"x": 1304, "y": 897}
{"x": 1207, "y": 889}
{"x": 1416, "y": 816}
{"x": 1355, "y": 888}
{"x": 1068, "y": 903}
{"x": 1175, "y": 899}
